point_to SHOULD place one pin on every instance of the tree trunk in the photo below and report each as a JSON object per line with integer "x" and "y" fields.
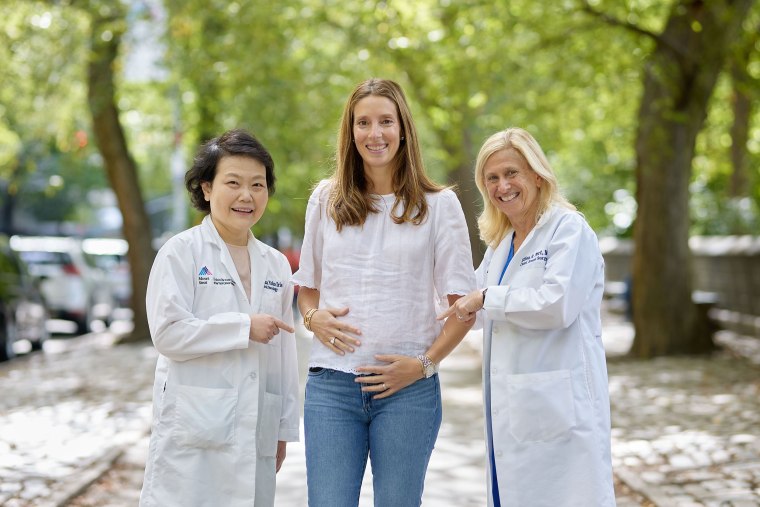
{"x": 679, "y": 78}
{"x": 469, "y": 196}
{"x": 741, "y": 104}
{"x": 121, "y": 169}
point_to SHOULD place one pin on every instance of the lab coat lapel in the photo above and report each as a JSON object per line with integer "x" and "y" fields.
{"x": 497, "y": 261}
{"x": 258, "y": 272}
{"x": 226, "y": 258}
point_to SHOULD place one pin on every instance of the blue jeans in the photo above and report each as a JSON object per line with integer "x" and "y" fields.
{"x": 343, "y": 425}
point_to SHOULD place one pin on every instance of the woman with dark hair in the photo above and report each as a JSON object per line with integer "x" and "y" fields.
{"x": 384, "y": 246}
{"x": 225, "y": 398}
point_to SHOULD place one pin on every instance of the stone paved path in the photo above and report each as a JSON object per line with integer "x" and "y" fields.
{"x": 686, "y": 431}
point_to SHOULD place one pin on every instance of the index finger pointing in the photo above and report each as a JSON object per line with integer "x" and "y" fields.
{"x": 283, "y": 326}
{"x": 445, "y": 314}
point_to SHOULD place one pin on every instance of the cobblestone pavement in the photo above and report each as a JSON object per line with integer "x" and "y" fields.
{"x": 686, "y": 431}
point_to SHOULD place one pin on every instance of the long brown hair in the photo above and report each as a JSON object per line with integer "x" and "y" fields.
{"x": 349, "y": 202}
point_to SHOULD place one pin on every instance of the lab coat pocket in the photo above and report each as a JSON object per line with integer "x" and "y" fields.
{"x": 205, "y": 417}
{"x": 269, "y": 425}
{"x": 271, "y": 303}
{"x": 541, "y": 405}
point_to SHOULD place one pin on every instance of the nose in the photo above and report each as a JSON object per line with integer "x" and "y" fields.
{"x": 503, "y": 185}
{"x": 246, "y": 194}
{"x": 376, "y": 130}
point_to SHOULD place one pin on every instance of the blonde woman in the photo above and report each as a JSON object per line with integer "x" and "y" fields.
{"x": 544, "y": 370}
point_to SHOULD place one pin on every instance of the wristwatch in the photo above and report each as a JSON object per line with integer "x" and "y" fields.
{"x": 429, "y": 368}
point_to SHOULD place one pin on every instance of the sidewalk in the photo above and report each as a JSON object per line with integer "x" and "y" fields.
{"x": 686, "y": 432}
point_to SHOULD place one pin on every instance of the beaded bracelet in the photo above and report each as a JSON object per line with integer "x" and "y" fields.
{"x": 307, "y": 318}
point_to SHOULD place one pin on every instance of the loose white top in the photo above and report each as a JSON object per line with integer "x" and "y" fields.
{"x": 394, "y": 278}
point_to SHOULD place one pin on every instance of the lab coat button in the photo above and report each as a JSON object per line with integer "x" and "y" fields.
{"x": 498, "y": 453}
{"x": 252, "y": 376}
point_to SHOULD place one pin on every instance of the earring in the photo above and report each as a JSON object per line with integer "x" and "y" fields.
{"x": 402, "y": 138}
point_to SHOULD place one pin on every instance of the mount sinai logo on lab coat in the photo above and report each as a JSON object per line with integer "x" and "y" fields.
{"x": 205, "y": 275}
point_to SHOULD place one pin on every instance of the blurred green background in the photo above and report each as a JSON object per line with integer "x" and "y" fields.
{"x": 187, "y": 70}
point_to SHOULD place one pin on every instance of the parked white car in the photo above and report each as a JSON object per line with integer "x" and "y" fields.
{"x": 110, "y": 255}
{"x": 23, "y": 313}
{"x": 74, "y": 288}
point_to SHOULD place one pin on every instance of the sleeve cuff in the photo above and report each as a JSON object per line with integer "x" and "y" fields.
{"x": 496, "y": 302}
{"x": 288, "y": 435}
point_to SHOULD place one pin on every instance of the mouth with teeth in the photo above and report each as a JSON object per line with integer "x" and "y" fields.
{"x": 376, "y": 148}
{"x": 509, "y": 197}
{"x": 247, "y": 211}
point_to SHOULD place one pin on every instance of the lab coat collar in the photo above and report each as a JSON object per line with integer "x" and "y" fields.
{"x": 256, "y": 249}
{"x": 501, "y": 252}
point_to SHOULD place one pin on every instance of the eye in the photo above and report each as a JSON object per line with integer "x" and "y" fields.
{"x": 361, "y": 123}
{"x": 491, "y": 178}
{"x": 232, "y": 183}
{"x": 259, "y": 185}
{"x": 387, "y": 121}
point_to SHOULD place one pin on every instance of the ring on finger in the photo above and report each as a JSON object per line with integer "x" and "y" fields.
{"x": 385, "y": 387}
{"x": 332, "y": 341}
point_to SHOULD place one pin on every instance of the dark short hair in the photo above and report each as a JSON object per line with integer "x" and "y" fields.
{"x": 236, "y": 142}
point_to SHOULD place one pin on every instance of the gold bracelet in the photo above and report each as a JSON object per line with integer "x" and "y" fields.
{"x": 307, "y": 318}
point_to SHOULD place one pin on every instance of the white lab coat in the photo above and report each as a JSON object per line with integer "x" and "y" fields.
{"x": 544, "y": 368}
{"x": 220, "y": 401}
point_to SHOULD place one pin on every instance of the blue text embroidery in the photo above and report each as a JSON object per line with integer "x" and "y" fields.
{"x": 541, "y": 255}
{"x": 272, "y": 285}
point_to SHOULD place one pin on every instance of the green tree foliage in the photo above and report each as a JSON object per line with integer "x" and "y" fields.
{"x": 564, "y": 70}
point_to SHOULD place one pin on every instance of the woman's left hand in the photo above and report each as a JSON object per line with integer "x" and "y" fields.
{"x": 387, "y": 379}
{"x": 465, "y": 307}
{"x": 280, "y": 457}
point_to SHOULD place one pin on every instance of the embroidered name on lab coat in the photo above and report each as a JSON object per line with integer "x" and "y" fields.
{"x": 272, "y": 285}
{"x": 541, "y": 255}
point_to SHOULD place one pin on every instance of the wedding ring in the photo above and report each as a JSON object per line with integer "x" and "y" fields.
{"x": 332, "y": 341}
{"x": 384, "y": 386}
{"x": 460, "y": 317}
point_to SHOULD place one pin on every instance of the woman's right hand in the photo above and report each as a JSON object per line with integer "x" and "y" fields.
{"x": 332, "y": 332}
{"x": 265, "y": 327}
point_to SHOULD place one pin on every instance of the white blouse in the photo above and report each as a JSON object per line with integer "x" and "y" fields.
{"x": 394, "y": 278}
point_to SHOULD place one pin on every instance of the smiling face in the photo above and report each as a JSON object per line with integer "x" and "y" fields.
{"x": 238, "y": 197}
{"x": 376, "y": 132}
{"x": 513, "y": 187}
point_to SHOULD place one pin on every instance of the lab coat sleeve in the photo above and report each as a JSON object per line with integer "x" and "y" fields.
{"x": 480, "y": 281}
{"x": 176, "y": 332}
{"x": 309, "y": 272}
{"x": 291, "y": 412}
{"x": 573, "y": 268}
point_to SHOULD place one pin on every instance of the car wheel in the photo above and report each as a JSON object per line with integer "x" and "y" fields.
{"x": 7, "y": 339}
{"x": 43, "y": 336}
{"x": 84, "y": 325}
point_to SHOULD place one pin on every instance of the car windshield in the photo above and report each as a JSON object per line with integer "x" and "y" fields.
{"x": 46, "y": 258}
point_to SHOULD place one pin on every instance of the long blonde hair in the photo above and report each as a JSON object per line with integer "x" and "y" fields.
{"x": 349, "y": 201}
{"x": 492, "y": 223}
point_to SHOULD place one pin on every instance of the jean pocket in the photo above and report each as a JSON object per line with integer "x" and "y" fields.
{"x": 205, "y": 417}
{"x": 541, "y": 406}
{"x": 269, "y": 425}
